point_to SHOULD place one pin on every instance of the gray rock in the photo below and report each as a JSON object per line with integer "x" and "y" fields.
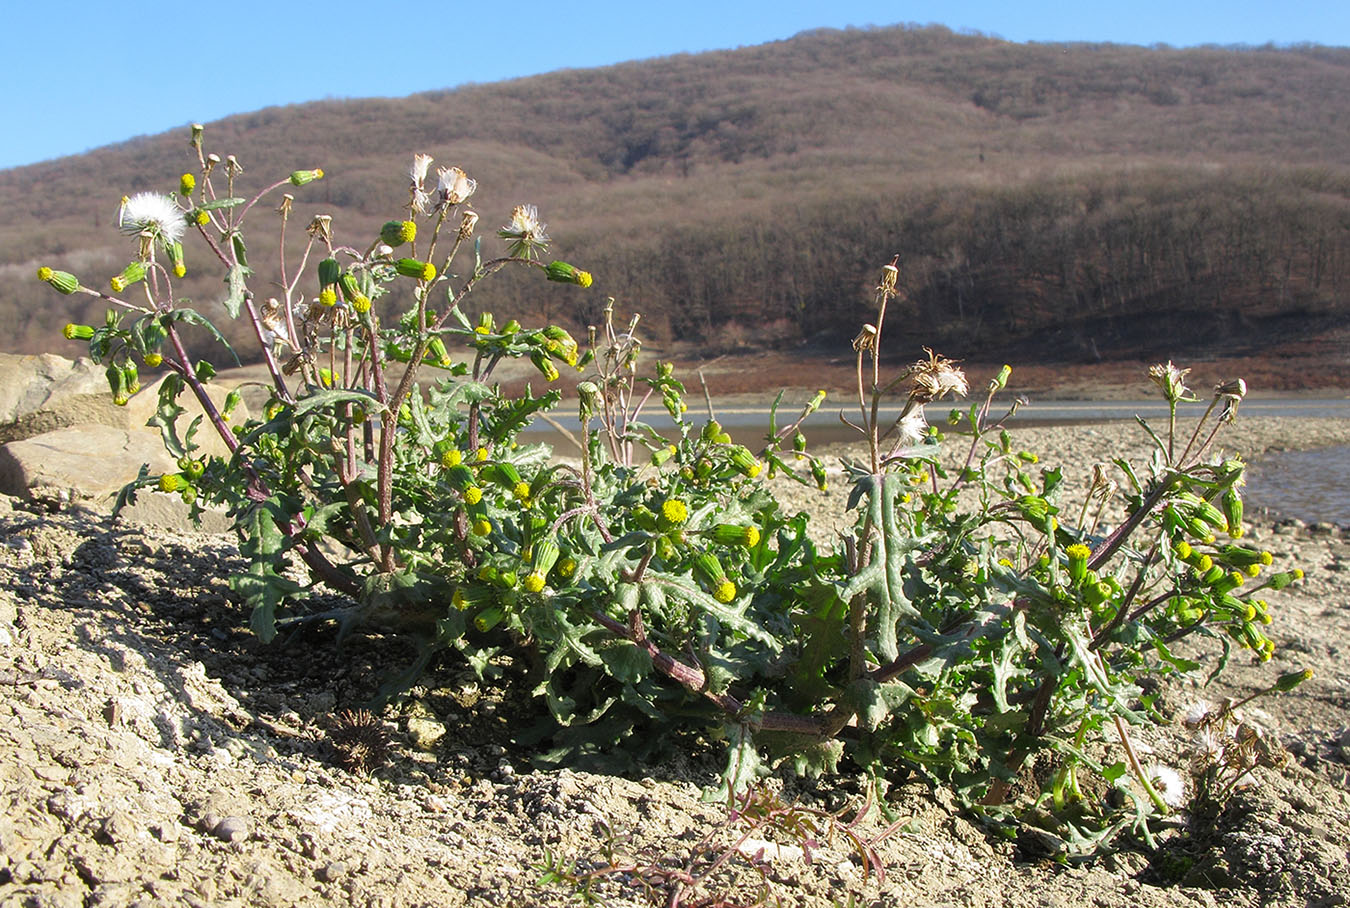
{"x": 88, "y": 462}
{"x": 40, "y": 394}
{"x": 424, "y": 732}
{"x": 231, "y": 829}
{"x": 332, "y": 871}
{"x": 92, "y": 463}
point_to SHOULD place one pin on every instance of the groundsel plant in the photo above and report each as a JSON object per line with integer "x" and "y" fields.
{"x": 974, "y": 627}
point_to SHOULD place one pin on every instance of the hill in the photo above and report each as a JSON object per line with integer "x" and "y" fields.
{"x": 1062, "y": 203}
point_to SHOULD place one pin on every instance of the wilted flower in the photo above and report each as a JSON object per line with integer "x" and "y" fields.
{"x": 1231, "y": 393}
{"x": 1200, "y": 713}
{"x": 935, "y": 377}
{"x": 418, "y": 171}
{"x": 1167, "y": 782}
{"x": 889, "y": 274}
{"x": 454, "y": 185}
{"x": 866, "y": 339}
{"x": 467, "y": 223}
{"x": 321, "y": 228}
{"x": 1170, "y": 380}
{"x": 911, "y": 428}
{"x": 525, "y": 231}
{"x": 151, "y": 211}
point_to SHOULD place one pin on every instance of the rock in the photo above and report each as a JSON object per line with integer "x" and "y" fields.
{"x": 40, "y": 394}
{"x": 332, "y": 871}
{"x": 93, "y": 462}
{"x": 119, "y": 828}
{"x": 424, "y": 732}
{"x": 88, "y": 461}
{"x": 231, "y": 829}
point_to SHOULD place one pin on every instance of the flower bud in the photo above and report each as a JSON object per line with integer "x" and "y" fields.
{"x": 1281, "y": 580}
{"x": 1000, "y": 381}
{"x": 171, "y": 482}
{"x": 1292, "y": 680}
{"x": 175, "y": 254}
{"x": 487, "y": 619}
{"x": 563, "y": 273}
{"x": 1232, "y": 511}
{"x": 186, "y": 183}
{"x": 301, "y": 177}
{"x": 130, "y": 275}
{"x": 470, "y": 596}
{"x": 544, "y": 556}
{"x": 63, "y": 281}
{"x": 351, "y": 292}
{"x": 818, "y": 473}
{"x": 73, "y": 331}
{"x": 1078, "y": 555}
{"x": 396, "y": 233}
{"x": 424, "y": 271}
{"x": 731, "y": 534}
{"x": 329, "y": 272}
{"x": 437, "y": 355}
{"x": 117, "y": 383}
{"x": 744, "y": 462}
{"x": 544, "y": 365}
{"x": 232, "y": 401}
{"x": 661, "y": 455}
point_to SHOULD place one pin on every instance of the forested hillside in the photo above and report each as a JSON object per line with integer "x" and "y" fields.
{"x": 1068, "y": 202}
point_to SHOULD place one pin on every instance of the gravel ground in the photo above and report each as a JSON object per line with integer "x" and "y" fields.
{"x": 155, "y": 754}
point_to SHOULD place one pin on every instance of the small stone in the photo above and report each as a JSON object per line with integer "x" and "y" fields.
{"x": 231, "y": 829}
{"x": 332, "y": 871}
{"x": 425, "y": 732}
{"x": 119, "y": 828}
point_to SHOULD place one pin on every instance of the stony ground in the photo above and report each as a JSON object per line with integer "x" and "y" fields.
{"x": 153, "y": 753}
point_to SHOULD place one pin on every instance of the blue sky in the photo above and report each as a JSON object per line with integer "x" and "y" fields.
{"x": 79, "y": 75}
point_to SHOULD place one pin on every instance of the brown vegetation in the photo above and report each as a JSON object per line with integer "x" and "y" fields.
{"x": 1062, "y": 203}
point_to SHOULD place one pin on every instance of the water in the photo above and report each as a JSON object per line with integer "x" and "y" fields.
{"x": 1313, "y": 486}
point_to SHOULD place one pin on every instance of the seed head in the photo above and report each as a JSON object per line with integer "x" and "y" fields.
{"x": 360, "y": 740}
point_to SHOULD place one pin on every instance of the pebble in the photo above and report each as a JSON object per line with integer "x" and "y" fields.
{"x": 231, "y": 829}
{"x": 333, "y": 871}
{"x": 425, "y": 732}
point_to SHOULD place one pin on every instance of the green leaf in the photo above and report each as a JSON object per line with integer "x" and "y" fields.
{"x": 234, "y": 296}
{"x": 193, "y": 317}
{"x": 626, "y": 661}
{"x": 217, "y": 204}
{"x": 166, "y": 414}
{"x": 320, "y": 399}
{"x": 873, "y": 702}
{"x": 263, "y": 590}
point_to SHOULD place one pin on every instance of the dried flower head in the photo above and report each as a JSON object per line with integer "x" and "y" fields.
{"x": 154, "y": 213}
{"x": 361, "y": 742}
{"x": 454, "y": 185}
{"x": 467, "y": 223}
{"x": 321, "y": 228}
{"x": 526, "y": 233}
{"x": 418, "y": 171}
{"x": 1170, "y": 380}
{"x": 889, "y": 275}
{"x": 1168, "y": 783}
{"x": 911, "y": 428}
{"x": 936, "y": 376}
{"x": 866, "y": 339}
{"x": 1231, "y": 393}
